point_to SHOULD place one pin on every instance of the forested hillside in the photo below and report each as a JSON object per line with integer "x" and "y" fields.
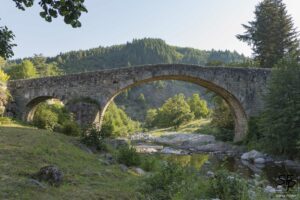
{"x": 139, "y": 52}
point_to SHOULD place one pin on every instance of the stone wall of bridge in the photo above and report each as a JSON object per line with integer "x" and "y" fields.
{"x": 88, "y": 94}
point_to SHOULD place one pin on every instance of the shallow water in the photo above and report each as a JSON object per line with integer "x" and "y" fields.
{"x": 210, "y": 162}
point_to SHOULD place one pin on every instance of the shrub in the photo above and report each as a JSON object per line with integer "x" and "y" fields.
{"x": 92, "y": 137}
{"x": 149, "y": 163}
{"x": 226, "y": 185}
{"x": 71, "y": 128}
{"x": 174, "y": 182}
{"x": 128, "y": 156}
{"x": 3, "y": 76}
{"x": 117, "y": 123}
{"x": 45, "y": 119}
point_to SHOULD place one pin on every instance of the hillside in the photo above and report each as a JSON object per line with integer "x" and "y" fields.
{"x": 139, "y": 52}
{"x": 23, "y": 151}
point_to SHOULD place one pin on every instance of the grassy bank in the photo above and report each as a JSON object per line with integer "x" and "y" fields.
{"x": 196, "y": 126}
{"x": 23, "y": 151}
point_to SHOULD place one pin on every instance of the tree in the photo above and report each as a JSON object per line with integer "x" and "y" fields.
{"x": 279, "y": 124}
{"x": 43, "y": 68}
{"x": 151, "y": 116}
{"x": 6, "y": 45}
{"x": 198, "y": 106}
{"x": 272, "y": 34}
{"x": 70, "y": 10}
{"x": 22, "y": 71}
{"x": 175, "y": 112}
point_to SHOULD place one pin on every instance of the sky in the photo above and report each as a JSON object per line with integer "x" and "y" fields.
{"x": 201, "y": 24}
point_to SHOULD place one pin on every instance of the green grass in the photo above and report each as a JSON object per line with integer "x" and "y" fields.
{"x": 23, "y": 151}
{"x": 195, "y": 126}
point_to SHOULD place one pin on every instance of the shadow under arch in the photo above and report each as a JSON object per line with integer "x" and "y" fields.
{"x": 239, "y": 114}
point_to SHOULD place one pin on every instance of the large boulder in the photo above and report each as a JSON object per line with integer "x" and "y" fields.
{"x": 50, "y": 174}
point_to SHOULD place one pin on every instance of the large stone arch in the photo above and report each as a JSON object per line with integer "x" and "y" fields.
{"x": 242, "y": 88}
{"x": 240, "y": 117}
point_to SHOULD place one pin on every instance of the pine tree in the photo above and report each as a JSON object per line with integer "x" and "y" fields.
{"x": 280, "y": 123}
{"x": 272, "y": 34}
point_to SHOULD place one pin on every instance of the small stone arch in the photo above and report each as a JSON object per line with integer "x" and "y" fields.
{"x": 31, "y": 107}
{"x": 239, "y": 114}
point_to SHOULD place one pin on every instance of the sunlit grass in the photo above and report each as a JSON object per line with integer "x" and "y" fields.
{"x": 195, "y": 126}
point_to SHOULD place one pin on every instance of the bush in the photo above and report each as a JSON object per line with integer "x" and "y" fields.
{"x": 92, "y": 137}
{"x": 45, "y": 119}
{"x": 128, "y": 156}
{"x": 149, "y": 163}
{"x": 174, "y": 182}
{"x": 71, "y": 128}
{"x": 227, "y": 185}
{"x": 117, "y": 123}
{"x": 3, "y": 76}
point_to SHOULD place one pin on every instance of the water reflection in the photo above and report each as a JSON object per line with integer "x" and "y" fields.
{"x": 211, "y": 162}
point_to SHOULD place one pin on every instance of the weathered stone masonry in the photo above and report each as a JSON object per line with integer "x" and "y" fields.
{"x": 88, "y": 94}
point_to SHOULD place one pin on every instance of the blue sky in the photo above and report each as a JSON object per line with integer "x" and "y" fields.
{"x": 202, "y": 24}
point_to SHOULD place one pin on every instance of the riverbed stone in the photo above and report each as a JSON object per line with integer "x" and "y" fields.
{"x": 169, "y": 150}
{"x": 123, "y": 168}
{"x": 269, "y": 189}
{"x": 252, "y": 155}
{"x": 139, "y": 171}
{"x": 259, "y": 161}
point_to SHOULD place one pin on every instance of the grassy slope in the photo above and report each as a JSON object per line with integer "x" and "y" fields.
{"x": 23, "y": 151}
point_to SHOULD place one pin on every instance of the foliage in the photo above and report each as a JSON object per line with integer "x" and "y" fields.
{"x": 2, "y": 62}
{"x": 117, "y": 123}
{"x": 128, "y": 156}
{"x": 22, "y": 71}
{"x": 45, "y": 118}
{"x": 43, "y": 68}
{"x": 151, "y": 117}
{"x": 174, "y": 112}
{"x": 272, "y": 34}
{"x": 5, "y": 120}
{"x": 55, "y": 117}
{"x": 227, "y": 185}
{"x": 138, "y": 52}
{"x": 71, "y": 128}
{"x": 3, "y": 76}
{"x": 70, "y": 10}
{"x": 93, "y": 137}
{"x": 198, "y": 106}
{"x": 222, "y": 119}
{"x": 172, "y": 181}
{"x": 6, "y": 45}
{"x": 279, "y": 124}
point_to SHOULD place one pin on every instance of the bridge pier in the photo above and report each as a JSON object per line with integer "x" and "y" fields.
{"x": 85, "y": 114}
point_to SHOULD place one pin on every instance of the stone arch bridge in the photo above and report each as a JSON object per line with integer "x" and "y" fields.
{"x": 88, "y": 94}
